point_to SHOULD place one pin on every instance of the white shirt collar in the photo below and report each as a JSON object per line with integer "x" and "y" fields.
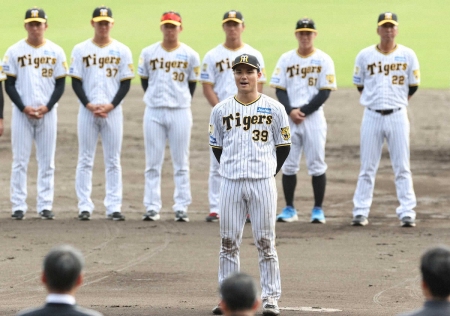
{"x": 60, "y": 298}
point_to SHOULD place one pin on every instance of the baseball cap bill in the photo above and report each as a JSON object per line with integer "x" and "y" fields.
{"x": 35, "y": 15}
{"x": 305, "y": 24}
{"x": 387, "y": 17}
{"x": 171, "y": 17}
{"x": 102, "y": 14}
{"x": 246, "y": 60}
{"x": 233, "y": 15}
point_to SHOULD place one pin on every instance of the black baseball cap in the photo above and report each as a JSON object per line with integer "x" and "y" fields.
{"x": 233, "y": 15}
{"x": 171, "y": 17}
{"x": 305, "y": 24}
{"x": 247, "y": 60}
{"x": 387, "y": 17}
{"x": 35, "y": 14}
{"x": 102, "y": 14}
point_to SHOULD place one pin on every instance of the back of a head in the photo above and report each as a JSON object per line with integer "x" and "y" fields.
{"x": 239, "y": 292}
{"x": 62, "y": 267}
{"x": 435, "y": 267}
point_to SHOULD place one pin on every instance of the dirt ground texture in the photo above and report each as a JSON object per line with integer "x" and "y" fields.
{"x": 170, "y": 268}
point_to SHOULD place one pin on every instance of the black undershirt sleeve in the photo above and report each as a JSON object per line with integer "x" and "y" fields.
{"x": 316, "y": 102}
{"x": 284, "y": 99}
{"x": 60, "y": 84}
{"x": 144, "y": 83}
{"x": 412, "y": 90}
{"x": 2, "y": 101}
{"x": 77, "y": 87}
{"x": 282, "y": 153}
{"x": 122, "y": 92}
{"x": 217, "y": 152}
{"x": 360, "y": 89}
{"x": 10, "y": 88}
{"x": 192, "y": 86}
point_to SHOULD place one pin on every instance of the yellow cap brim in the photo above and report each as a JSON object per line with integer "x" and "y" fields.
{"x": 170, "y": 22}
{"x": 102, "y": 18}
{"x": 306, "y": 30}
{"x": 35, "y": 20}
{"x": 232, "y": 19}
{"x": 387, "y": 21}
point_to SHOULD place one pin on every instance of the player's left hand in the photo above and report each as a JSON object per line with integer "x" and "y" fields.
{"x": 102, "y": 110}
{"x": 41, "y": 111}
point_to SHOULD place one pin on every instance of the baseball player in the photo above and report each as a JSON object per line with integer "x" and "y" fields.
{"x": 2, "y": 101}
{"x": 169, "y": 73}
{"x": 304, "y": 78}
{"x": 218, "y": 84}
{"x": 36, "y": 69}
{"x": 250, "y": 138}
{"x": 101, "y": 71}
{"x": 386, "y": 75}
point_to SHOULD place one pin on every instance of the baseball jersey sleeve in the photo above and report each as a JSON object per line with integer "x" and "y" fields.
{"x": 414, "y": 71}
{"x": 2, "y": 74}
{"x": 207, "y": 74}
{"x": 76, "y": 64}
{"x": 194, "y": 72}
{"x": 278, "y": 79}
{"x": 327, "y": 77}
{"x": 280, "y": 128}
{"x": 215, "y": 130}
{"x": 126, "y": 68}
{"x": 9, "y": 67}
{"x": 60, "y": 69}
{"x": 142, "y": 67}
{"x": 358, "y": 72}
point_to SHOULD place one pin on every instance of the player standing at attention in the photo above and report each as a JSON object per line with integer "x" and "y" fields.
{"x": 36, "y": 74}
{"x": 386, "y": 75}
{"x": 169, "y": 73}
{"x": 218, "y": 84}
{"x": 250, "y": 138}
{"x": 2, "y": 100}
{"x": 101, "y": 71}
{"x": 304, "y": 78}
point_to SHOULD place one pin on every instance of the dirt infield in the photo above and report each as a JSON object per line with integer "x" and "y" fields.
{"x": 168, "y": 268}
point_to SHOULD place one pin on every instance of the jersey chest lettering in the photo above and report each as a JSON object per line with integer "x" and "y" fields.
{"x": 28, "y": 60}
{"x": 380, "y": 68}
{"x": 224, "y": 64}
{"x": 296, "y": 70}
{"x": 159, "y": 63}
{"x": 93, "y": 60}
{"x": 246, "y": 122}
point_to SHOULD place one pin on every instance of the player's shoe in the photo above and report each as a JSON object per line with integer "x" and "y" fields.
{"x": 84, "y": 216}
{"x": 18, "y": 215}
{"x": 181, "y": 216}
{"x": 317, "y": 216}
{"x": 151, "y": 216}
{"x": 212, "y": 217}
{"x": 288, "y": 214}
{"x": 46, "y": 214}
{"x": 270, "y": 308}
{"x": 360, "y": 220}
{"x": 247, "y": 219}
{"x": 408, "y": 221}
{"x": 217, "y": 310}
{"x": 116, "y": 216}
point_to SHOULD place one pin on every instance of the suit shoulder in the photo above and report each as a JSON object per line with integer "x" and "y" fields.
{"x": 32, "y": 311}
{"x": 82, "y": 311}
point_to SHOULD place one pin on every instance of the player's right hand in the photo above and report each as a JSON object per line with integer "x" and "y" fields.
{"x": 297, "y": 116}
{"x": 32, "y": 113}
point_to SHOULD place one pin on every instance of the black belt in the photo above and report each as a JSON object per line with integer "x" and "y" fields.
{"x": 386, "y": 112}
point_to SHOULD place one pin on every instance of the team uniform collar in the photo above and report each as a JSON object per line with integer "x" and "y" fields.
{"x": 43, "y": 43}
{"x": 305, "y": 56}
{"x": 247, "y": 104}
{"x": 386, "y": 53}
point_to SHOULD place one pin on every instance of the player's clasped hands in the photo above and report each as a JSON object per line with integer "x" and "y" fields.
{"x": 297, "y": 116}
{"x": 36, "y": 113}
{"x": 100, "y": 110}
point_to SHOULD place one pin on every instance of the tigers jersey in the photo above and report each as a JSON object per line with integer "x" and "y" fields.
{"x": 304, "y": 76}
{"x": 248, "y": 135}
{"x": 168, "y": 73}
{"x": 35, "y": 69}
{"x": 101, "y": 69}
{"x": 392, "y": 73}
{"x": 216, "y": 69}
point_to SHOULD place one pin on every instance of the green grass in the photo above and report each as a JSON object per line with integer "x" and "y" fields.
{"x": 345, "y": 27}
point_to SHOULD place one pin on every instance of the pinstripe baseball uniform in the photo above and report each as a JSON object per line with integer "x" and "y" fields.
{"x": 168, "y": 116}
{"x": 386, "y": 78}
{"x": 248, "y": 135}
{"x": 36, "y": 70}
{"x": 216, "y": 70}
{"x": 101, "y": 70}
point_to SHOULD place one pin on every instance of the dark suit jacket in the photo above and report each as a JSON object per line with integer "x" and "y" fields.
{"x": 432, "y": 308}
{"x": 56, "y": 309}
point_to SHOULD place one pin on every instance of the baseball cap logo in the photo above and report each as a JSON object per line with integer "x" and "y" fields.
{"x": 103, "y": 12}
{"x": 232, "y": 14}
{"x": 34, "y": 13}
{"x": 244, "y": 59}
{"x": 388, "y": 16}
